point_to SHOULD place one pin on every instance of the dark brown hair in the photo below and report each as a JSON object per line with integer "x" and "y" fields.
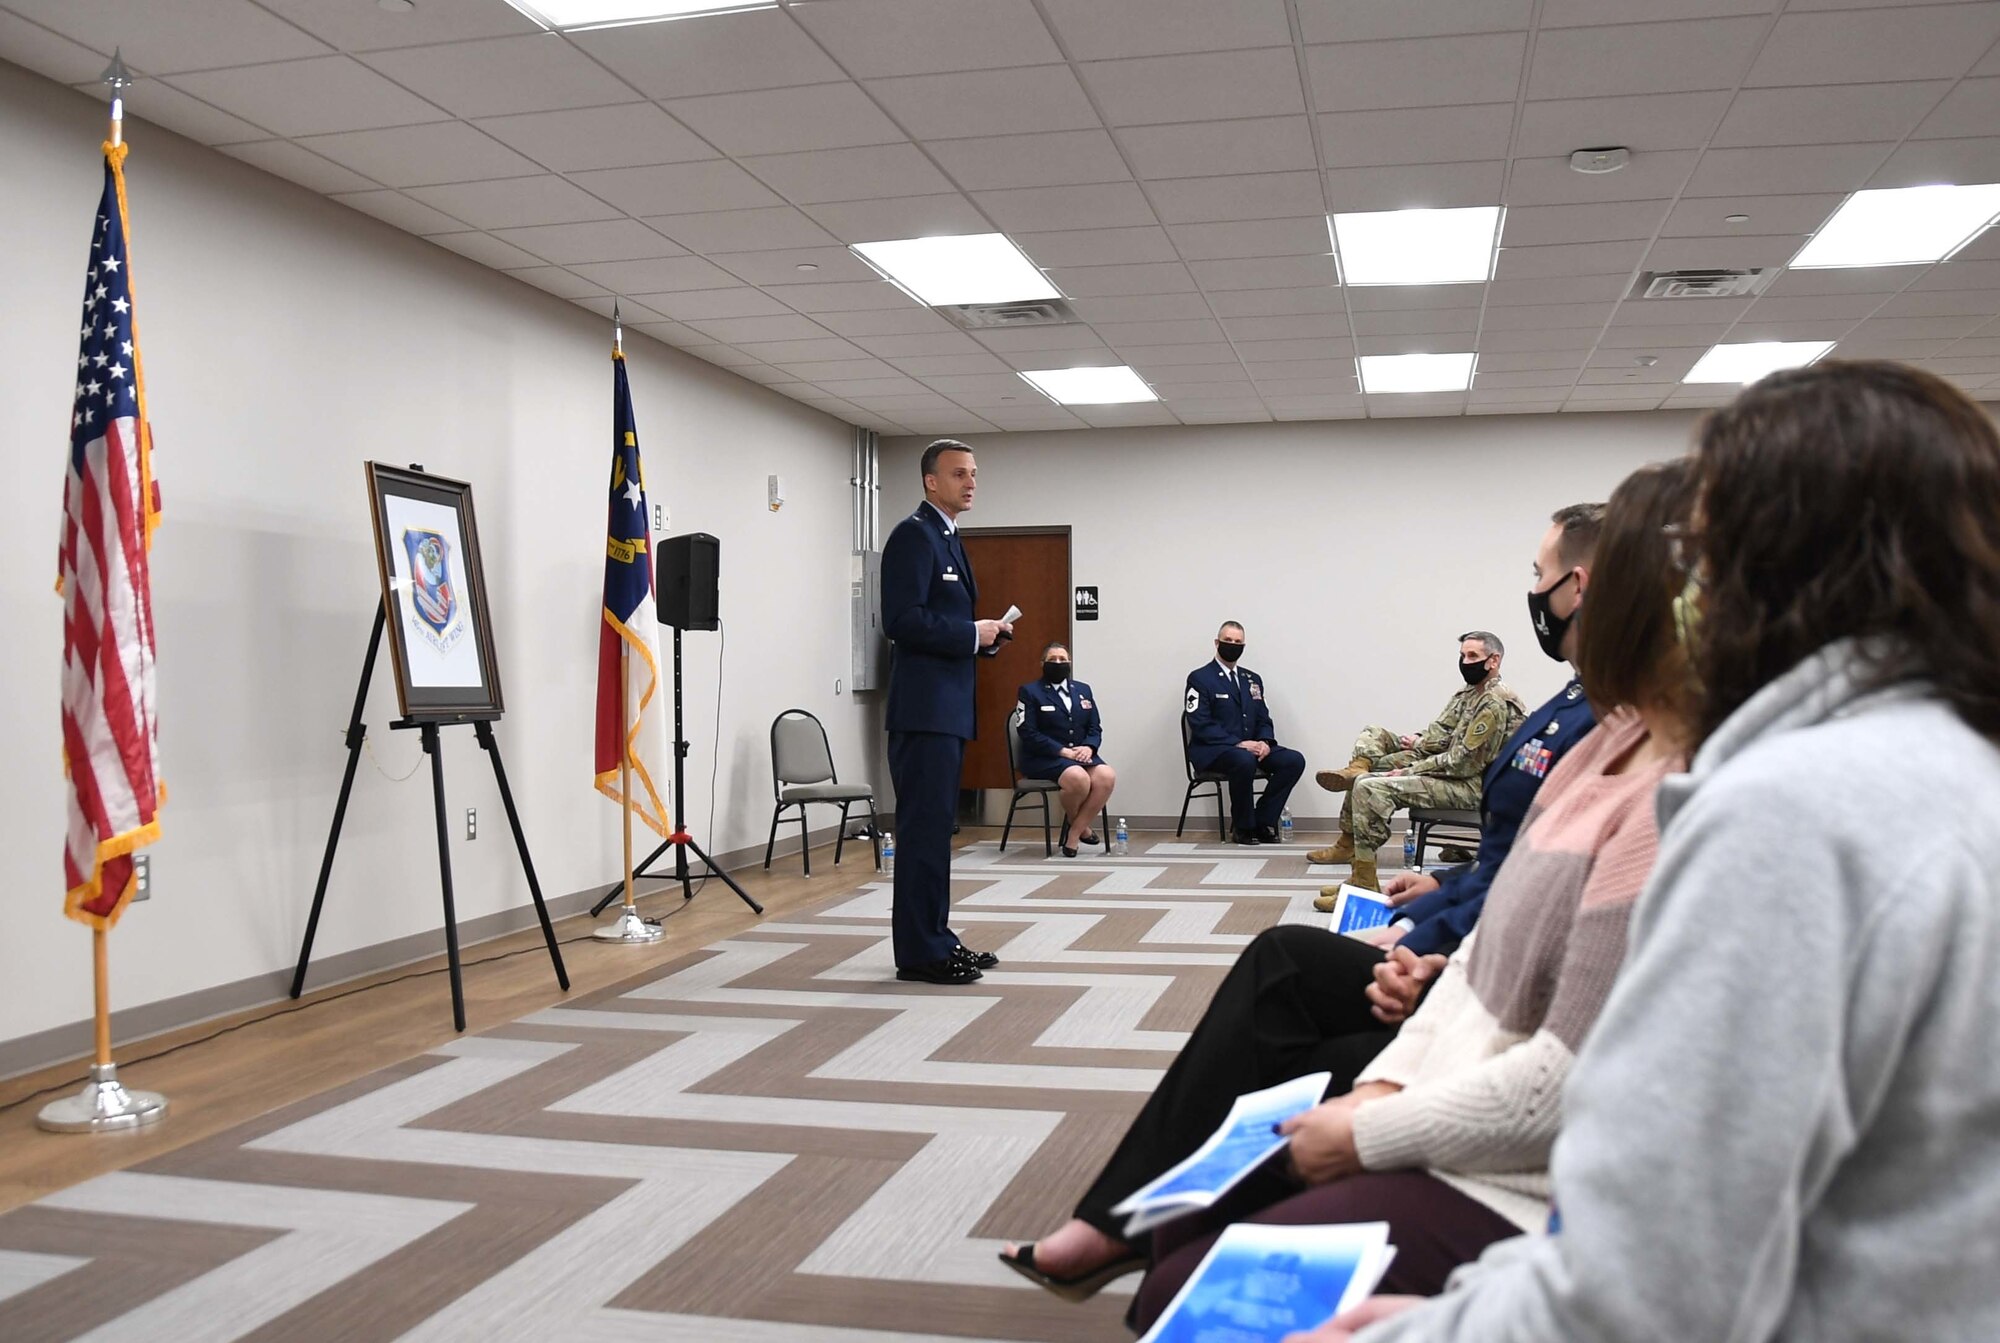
{"x": 1850, "y": 500}
{"x": 1580, "y": 525}
{"x": 1626, "y": 648}
{"x": 927, "y": 464}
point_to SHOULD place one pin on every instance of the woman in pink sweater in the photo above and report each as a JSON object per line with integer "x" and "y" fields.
{"x": 1446, "y": 1135}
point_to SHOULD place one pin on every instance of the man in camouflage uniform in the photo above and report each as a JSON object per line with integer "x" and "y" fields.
{"x": 1441, "y": 767}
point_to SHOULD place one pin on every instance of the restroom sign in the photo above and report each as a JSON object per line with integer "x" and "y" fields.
{"x": 1086, "y": 603}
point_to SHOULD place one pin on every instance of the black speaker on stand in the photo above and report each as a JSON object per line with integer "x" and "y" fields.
{"x": 686, "y": 590}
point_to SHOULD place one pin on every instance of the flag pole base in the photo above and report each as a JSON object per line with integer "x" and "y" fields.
{"x": 103, "y": 1106}
{"x": 628, "y": 927}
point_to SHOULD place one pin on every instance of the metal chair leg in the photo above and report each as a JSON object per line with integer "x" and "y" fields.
{"x": 1008, "y": 829}
{"x": 1187, "y": 799}
{"x": 805, "y": 839}
{"x": 1048, "y": 849}
{"x": 772, "y": 842}
{"x": 840, "y": 837}
{"x": 874, "y": 833}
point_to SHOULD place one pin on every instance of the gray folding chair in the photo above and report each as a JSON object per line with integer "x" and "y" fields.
{"x": 1442, "y": 823}
{"x": 801, "y": 773}
{"x": 1035, "y": 792}
{"x": 1205, "y": 783}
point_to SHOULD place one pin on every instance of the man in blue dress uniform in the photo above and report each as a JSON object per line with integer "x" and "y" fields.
{"x": 927, "y": 610}
{"x": 1230, "y": 732}
{"x": 1060, "y": 732}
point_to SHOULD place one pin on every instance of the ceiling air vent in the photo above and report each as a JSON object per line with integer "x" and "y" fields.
{"x": 986, "y": 316}
{"x": 1702, "y": 283}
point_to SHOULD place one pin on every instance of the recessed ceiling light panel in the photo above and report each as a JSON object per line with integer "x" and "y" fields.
{"x": 962, "y": 269}
{"x": 1751, "y": 360}
{"x": 1901, "y": 226}
{"x": 1090, "y": 386}
{"x": 571, "y": 15}
{"x": 1415, "y": 372}
{"x": 1417, "y": 246}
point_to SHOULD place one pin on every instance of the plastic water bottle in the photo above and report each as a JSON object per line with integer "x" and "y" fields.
{"x": 888, "y": 854}
{"x": 1285, "y": 826}
{"x": 1409, "y": 848}
{"x": 1121, "y": 840}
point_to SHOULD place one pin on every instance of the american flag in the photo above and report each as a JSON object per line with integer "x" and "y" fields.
{"x": 110, "y": 507}
{"x": 631, "y": 625}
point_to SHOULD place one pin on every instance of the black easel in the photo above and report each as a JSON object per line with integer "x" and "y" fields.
{"x": 681, "y": 842}
{"x": 357, "y": 732}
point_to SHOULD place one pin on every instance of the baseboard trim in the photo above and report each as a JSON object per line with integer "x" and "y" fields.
{"x": 131, "y": 1026}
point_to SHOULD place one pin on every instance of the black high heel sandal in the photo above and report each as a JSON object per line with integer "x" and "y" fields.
{"x": 1079, "y": 1288}
{"x": 1062, "y": 841}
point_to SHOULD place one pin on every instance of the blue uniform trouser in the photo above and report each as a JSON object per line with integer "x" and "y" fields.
{"x": 1283, "y": 766}
{"x": 924, "y": 767}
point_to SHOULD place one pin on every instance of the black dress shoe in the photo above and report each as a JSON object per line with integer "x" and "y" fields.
{"x": 1268, "y": 834}
{"x": 978, "y": 960}
{"x": 1245, "y": 837}
{"x": 950, "y": 970}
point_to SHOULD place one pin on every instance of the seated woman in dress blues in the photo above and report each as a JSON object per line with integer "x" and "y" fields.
{"x": 1060, "y": 733}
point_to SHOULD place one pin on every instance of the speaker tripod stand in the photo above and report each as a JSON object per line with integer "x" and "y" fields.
{"x": 680, "y": 841}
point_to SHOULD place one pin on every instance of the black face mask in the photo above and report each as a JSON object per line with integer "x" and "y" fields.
{"x": 1473, "y": 672}
{"x": 1228, "y": 652}
{"x": 1550, "y": 627}
{"x": 1055, "y": 673}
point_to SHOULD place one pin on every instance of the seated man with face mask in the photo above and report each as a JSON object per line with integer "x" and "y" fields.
{"x": 1229, "y": 731}
{"x": 1060, "y": 731}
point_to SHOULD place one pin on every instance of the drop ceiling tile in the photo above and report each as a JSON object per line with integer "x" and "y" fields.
{"x": 1643, "y": 58}
{"x": 1499, "y": 361}
{"x": 1411, "y": 297}
{"x": 1487, "y": 382}
{"x": 1370, "y": 20}
{"x": 1582, "y": 13}
{"x": 768, "y": 228}
{"x": 1547, "y": 316}
{"x": 1641, "y": 122}
{"x": 744, "y": 367}
{"x": 181, "y": 113}
{"x": 1675, "y": 359}
{"x": 1053, "y": 158}
{"x": 1564, "y": 260}
{"x": 487, "y": 250}
{"x": 1302, "y": 236}
{"x": 1862, "y": 46}
{"x": 1206, "y": 149}
{"x": 426, "y": 155}
{"x": 677, "y": 188}
{"x": 1981, "y": 347}
{"x": 1261, "y": 196}
{"x": 757, "y": 336}
{"x": 1044, "y": 416}
{"x": 331, "y": 93}
{"x": 1415, "y": 186}
{"x": 1919, "y": 162}
{"x": 1551, "y": 181}
{"x": 1005, "y": 340}
{"x": 1202, "y": 87}
{"x": 1560, "y": 289}
{"x": 1141, "y": 307}
{"x": 356, "y": 27}
{"x": 1941, "y": 302}
{"x": 1223, "y": 412}
{"x": 1751, "y": 329}
{"x": 186, "y": 35}
{"x": 900, "y": 217}
{"x": 1104, "y": 29}
{"x": 1328, "y": 366}
{"x": 933, "y": 344}
{"x": 1420, "y": 72}
{"x": 1419, "y": 322}
{"x": 1180, "y": 395}
{"x": 1539, "y": 225}
{"x": 1794, "y": 170}
{"x": 987, "y": 102}
{"x": 1956, "y": 274}
{"x": 1520, "y": 342}
{"x": 502, "y": 75}
{"x": 1769, "y": 215}
{"x": 1096, "y": 247}
{"x": 873, "y": 38}
{"x": 1971, "y": 108}
{"x": 515, "y": 202}
{"x": 393, "y": 207}
{"x": 557, "y": 281}
{"x": 857, "y": 296}
{"x": 1540, "y": 395}
{"x": 887, "y": 323}
{"x": 933, "y": 365}
{"x": 287, "y": 160}
{"x": 859, "y": 173}
{"x": 717, "y": 53}
{"x": 1317, "y": 407}
{"x": 1075, "y": 356}
{"x": 1300, "y": 326}
{"x": 1029, "y": 209}
{"x": 694, "y": 305}
{"x": 1416, "y": 135}
{"x": 602, "y": 240}
{"x": 1278, "y": 272}
{"x": 1115, "y": 417}
{"x": 1160, "y": 277}
{"x": 981, "y": 390}
{"x": 1849, "y": 280}
{"x": 1704, "y": 253}
{"x": 861, "y": 377}
{"x": 1275, "y": 302}
{"x": 1815, "y": 307}
{"x": 1272, "y": 351}
{"x": 1412, "y": 407}
{"x": 1680, "y": 312}
{"x": 628, "y": 135}
{"x": 1188, "y": 332}
{"x": 634, "y": 314}
{"x": 33, "y": 47}
{"x": 1166, "y": 357}
{"x": 836, "y": 265}
{"x": 656, "y": 275}
{"x": 1891, "y": 347}
{"x": 1854, "y": 113}
{"x": 1648, "y": 337}
{"x": 787, "y": 121}
{"x": 1985, "y": 247}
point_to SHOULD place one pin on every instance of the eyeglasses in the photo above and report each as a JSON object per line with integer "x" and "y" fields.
{"x": 1680, "y": 544}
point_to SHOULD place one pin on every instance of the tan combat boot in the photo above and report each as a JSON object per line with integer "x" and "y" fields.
{"x": 1340, "y": 851}
{"x": 1340, "y": 780}
{"x": 1364, "y": 872}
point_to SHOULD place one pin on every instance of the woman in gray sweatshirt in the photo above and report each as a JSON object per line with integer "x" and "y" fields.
{"x": 1786, "y": 1124}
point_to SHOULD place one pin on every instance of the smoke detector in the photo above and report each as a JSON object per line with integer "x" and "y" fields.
{"x": 1607, "y": 160}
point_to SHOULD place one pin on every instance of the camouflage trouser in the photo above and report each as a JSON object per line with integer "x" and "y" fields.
{"x": 1374, "y": 799}
{"x": 1380, "y": 748}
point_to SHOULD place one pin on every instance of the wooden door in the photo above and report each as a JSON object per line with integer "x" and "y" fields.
{"x": 1028, "y": 567}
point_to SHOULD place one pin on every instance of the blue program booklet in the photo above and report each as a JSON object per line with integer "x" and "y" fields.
{"x": 1244, "y": 1142}
{"x": 1359, "y": 909}
{"x": 1260, "y": 1283}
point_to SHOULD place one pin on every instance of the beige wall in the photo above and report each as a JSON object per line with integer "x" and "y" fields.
{"x": 1353, "y": 551}
{"x": 287, "y": 339}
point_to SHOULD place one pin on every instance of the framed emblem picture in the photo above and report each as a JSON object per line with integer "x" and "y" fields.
{"x": 434, "y": 594}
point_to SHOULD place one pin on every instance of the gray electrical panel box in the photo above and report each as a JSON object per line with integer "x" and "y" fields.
{"x": 870, "y": 670}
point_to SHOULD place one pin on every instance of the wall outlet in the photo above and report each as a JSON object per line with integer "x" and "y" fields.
{"x": 472, "y": 823}
{"x": 659, "y": 517}
{"x": 142, "y": 872}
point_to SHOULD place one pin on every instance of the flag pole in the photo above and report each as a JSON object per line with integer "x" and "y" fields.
{"x": 628, "y": 926}
{"x": 104, "y": 1105}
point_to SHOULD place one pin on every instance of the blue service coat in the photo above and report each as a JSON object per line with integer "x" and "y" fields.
{"x": 1047, "y": 727}
{"x": 1446, "y": 915}
{"x": 1219, "y": 717}
{"x": 928, "y": 594}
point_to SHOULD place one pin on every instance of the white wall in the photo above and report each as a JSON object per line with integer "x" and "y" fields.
{"x": 287, "y": 339}
{"x": 1354, "y": 552}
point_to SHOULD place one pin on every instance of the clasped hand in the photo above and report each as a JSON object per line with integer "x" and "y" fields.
{"x": 1256, "y": 748}
{"x": 1323, "y": 1137}
{"x": 1399, "y": 983}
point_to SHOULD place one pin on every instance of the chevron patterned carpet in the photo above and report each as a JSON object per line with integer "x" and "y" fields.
{"x": 768, "y": 1140}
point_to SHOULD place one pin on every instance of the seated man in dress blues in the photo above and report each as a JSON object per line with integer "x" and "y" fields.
{"x": 1060, "y": 732}
{"x": 1230, "y": 733}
